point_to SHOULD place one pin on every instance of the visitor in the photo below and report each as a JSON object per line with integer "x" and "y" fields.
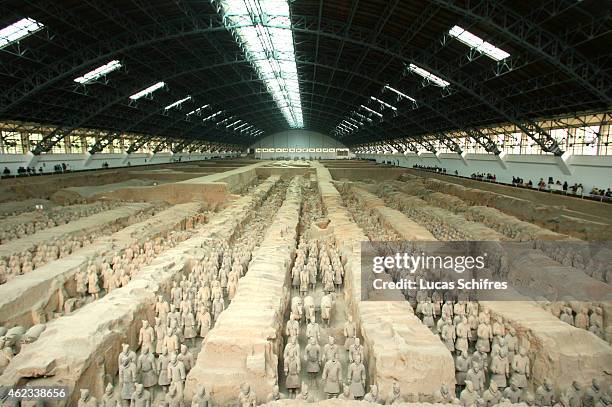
{"x": 541, "y": 184}
{"x": 530, "y": 184}
{"x": 574, "y": 188}
{"x": 6, "y": 171}
{"x": 565, "y": 186}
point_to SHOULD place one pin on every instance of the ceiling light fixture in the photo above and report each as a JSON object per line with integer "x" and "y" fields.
{"x": 263, "y": 29}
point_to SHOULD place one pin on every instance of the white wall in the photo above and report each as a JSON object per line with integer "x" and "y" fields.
{"x": 589, "y": 170}
{"x": 78, "y": 162}
{"x": 297, "y": 138}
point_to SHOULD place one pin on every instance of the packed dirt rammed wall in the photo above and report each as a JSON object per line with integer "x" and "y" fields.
{"x": 81, "y": 349}
{"x": 398, "y": 346}
{"x": 245, "y": 344}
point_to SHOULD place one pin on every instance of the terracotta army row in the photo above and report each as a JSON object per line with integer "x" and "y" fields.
{"x": 497, "y": 352}
{"x": 140, "y": 396}
{"x": 165, "y": 358}
{"x": 545, "y": 395}
{"x": 499, "y": 369}
{"x": 194, "y": 304}
{"x": 325, "y": 361}
{"x": 314, "y": 263}
{"x": 26, "y": 261}
{"x": 56, "y": 248}
{"x": 210, "y": 282}
{"x": 50, "y": 218}
{"x": 582, "y": 315}
{"x": 166, "y": 371}
{"x": 370, "y": 224}
{"x": 586, "y": 257}
{"x": 96, "y": 279}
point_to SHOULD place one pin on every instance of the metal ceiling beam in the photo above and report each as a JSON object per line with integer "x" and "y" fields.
{"x": 411, "y": 30}
{"x": 107, "y": 101}
{"x": 557, "y": 49}
{"x": 338, "y": 53}
{"x": 474, "y": 93}
{"x": 257, "y": 112}
{"x": 85, "y": 58}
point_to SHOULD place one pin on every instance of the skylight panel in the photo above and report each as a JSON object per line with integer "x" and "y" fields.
{"x": 428, "y": 75}
{"x": 225, "y": 120}
{"x": 264, "y": 30}
{"x": 18, "y": 31}
{"x": 98, "y": 72}
{"x": 371, "y": 111}
{"x": 148, "y": 91}
{"x": 198, "y": 110}
{"x": 351, "y": 125}
{"x": 400, "y": 94}
{"x": 363, "y": 117}
{"x": 473, "y": 41}
{"x": 177, "y": 103}
{"x": 212, "y": 116}
{"x": 357, "y": 122}
{"x": 382, "y": 102}
{"x": 241, "y": 126}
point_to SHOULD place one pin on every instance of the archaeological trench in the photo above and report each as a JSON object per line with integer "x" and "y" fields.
{"x": 240, "y": 283}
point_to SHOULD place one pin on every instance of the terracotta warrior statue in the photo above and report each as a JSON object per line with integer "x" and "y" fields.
{"x": 373, "y": 396}
{"x": 275, "y": 395}
{"x": 201, "y": 399}
{"x": 147, "y": 367}
{"x": 141, "y": 397}
{"x": 545, "y": 395}
{"x": 356, "y": 376}
{"x": 332, "y": 376}
{"x": 86, "y": 399}
{"x": 146, "y": 336}
{"x": 292, "y": 370}
{"x": 312, "y": 357}
{"x": 109, "y": 399}
{"x": 246, "y": 398}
